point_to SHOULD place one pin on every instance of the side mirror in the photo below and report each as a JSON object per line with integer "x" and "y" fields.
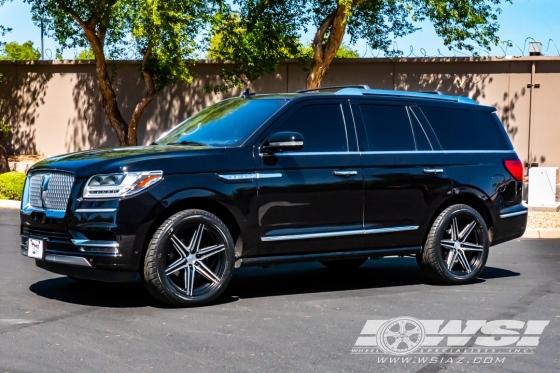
{"x": 283, "y": 142}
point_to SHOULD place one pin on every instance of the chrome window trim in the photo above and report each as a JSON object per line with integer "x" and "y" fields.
{"x": 96, "y": 210}
{"x": 338, "y": 234}
{"x": 394, "y": 152}
{"x": 512, "y": 214}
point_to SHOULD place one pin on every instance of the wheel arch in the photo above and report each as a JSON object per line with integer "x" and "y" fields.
{"x": 204, "y": 202}
{"x": 468, "y": 199}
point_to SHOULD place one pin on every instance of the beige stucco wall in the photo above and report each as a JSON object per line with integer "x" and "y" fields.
{"x": 54, "y": 107}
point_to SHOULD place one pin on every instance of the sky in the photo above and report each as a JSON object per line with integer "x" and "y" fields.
{"x": 533, "y": 19}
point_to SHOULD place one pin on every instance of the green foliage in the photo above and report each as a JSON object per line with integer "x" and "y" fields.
{"x": 85, "y": 55}
{"x": 343, "y": 52}
{"x": 11, "y": 185}
{"x": 14, "y": 51}
{"x": 4, "y": 130}
{"x": 164, "y": 32}
{"x": 260, "y": 33}
{"x": 253, "y": 39}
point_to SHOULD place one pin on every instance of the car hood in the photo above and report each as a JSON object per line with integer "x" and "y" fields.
{"x": 167, "y": 158}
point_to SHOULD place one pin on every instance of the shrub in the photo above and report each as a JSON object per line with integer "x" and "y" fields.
{"x": 11, "y": 185}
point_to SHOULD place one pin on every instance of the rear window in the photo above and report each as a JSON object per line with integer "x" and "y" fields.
{"x": 466, "y": 129}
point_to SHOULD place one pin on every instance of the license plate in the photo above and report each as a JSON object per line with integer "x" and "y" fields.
{"x": 35, "y": 248}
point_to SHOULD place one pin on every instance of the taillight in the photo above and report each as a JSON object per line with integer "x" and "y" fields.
{"x": 515, "y": 168}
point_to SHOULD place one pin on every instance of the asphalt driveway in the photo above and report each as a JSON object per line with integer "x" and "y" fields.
{"x": 291, "y": 318}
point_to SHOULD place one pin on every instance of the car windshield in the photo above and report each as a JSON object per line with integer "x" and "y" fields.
{"x": 227, "y": 123}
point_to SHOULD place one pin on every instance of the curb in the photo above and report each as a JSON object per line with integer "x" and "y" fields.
{"x": 9, "y": 204}
{"x": 542, "y": 233}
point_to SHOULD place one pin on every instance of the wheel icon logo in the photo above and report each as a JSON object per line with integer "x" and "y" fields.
{"x": 401, "y": 336}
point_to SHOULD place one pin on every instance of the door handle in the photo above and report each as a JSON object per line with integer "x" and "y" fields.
{"x": 345, "y": 173}
{"x": 433, "y": 171}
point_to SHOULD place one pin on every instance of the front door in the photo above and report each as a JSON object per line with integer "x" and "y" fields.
{"x": 312, "y": 200}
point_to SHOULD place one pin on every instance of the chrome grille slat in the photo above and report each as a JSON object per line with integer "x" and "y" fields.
{"x": 59, "y": 185}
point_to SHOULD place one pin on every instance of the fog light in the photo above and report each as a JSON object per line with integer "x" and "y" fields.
{"x": 104, "y": 250}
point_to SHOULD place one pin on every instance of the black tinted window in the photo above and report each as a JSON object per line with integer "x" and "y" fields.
{"x": 227, "y": 123}
{"x": 387, "y": 128}
{"x": 322, "y": 128}
{"x": 466, "y": 130}
{"x": 420, "y": 136}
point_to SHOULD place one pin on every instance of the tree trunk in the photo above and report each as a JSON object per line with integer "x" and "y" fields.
{"x": 4, "y": 165}
{"x": 108, "y": 96}
{"x": 324, "y": 51}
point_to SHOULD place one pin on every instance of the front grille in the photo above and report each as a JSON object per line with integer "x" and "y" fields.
{"x": 45, "y": 233}
{"x": 50, "y": 190}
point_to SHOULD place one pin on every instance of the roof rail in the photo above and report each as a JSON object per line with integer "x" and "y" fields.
{"x": 361, "y": 86}
{"x": 405, "y": 94}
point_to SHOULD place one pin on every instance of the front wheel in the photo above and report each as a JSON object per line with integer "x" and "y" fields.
{"x": 190, "y": 259}
{"x": 456, "y": 249}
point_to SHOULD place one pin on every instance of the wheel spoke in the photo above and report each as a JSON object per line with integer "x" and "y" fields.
{"x": 451, "y": 259}
{"x": 464, "y": 261}
{"x": 448, "y": 242}
{"x": 416, "y": 330}
{"x": 454, "y": 230}
{"x": 471, "y": 247}
{"x": 177, "y": 265}
{"x": 209, "y": 251}
{"x": 180, "y": 247}
{"x": 189, "y": 279}
{"x": 195, "y": 240}
{"x": 448, "y": 246}
{"x": 206, "y": 272}
{"x": 467, "y": 231}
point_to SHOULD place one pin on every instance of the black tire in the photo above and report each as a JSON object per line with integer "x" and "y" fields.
{"x": 344, "y": 264}
{"x": 457, "y": 246}
{"x": 189, "y": 261}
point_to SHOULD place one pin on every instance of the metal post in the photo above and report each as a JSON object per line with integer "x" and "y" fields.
{"x": 42, "y": 43}
{"x": 532, "y": 87}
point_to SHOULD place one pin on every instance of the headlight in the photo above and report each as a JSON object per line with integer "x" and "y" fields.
{"x": 121, "y": 184}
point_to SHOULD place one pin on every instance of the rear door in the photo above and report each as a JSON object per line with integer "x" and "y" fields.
{"x": 312, "y": 200}
{"x": 404, "y": 178}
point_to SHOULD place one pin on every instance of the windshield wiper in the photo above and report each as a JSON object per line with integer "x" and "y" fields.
{"x": 187, "y": 142}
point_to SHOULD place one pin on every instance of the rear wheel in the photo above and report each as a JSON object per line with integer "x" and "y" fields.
{"x": 344, "y": 264}
{"x": 456, "y": 249}
{"x": 190, "y": 259}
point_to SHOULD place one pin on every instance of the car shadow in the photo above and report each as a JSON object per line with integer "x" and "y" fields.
{"x": 304, "y": 278}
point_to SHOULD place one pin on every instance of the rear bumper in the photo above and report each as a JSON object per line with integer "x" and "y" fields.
{"x": 510, "y": 224}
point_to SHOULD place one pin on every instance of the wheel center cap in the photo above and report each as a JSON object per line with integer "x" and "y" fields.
{"x": 457, "y": 245}
{"x": 191, "y": 259}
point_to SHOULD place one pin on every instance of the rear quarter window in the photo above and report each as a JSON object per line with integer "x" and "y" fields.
{"x": 467, "y": 129}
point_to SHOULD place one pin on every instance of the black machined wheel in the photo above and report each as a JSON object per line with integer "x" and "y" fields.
{"x": 190, "y": 259}
{"x": 456, "y": 248}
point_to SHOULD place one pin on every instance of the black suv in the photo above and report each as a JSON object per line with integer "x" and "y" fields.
{"x": 336, "y": 177}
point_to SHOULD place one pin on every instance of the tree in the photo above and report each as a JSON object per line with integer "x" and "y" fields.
{"x": 85, "y": 55}
{"x": 14, "y": 51}
{"x": 253, "y": 39}
{"x": 161, "y": 34}
{"x": 462, "y": 24}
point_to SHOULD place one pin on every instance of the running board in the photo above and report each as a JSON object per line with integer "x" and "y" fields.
{"x": 340, "y": 255}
